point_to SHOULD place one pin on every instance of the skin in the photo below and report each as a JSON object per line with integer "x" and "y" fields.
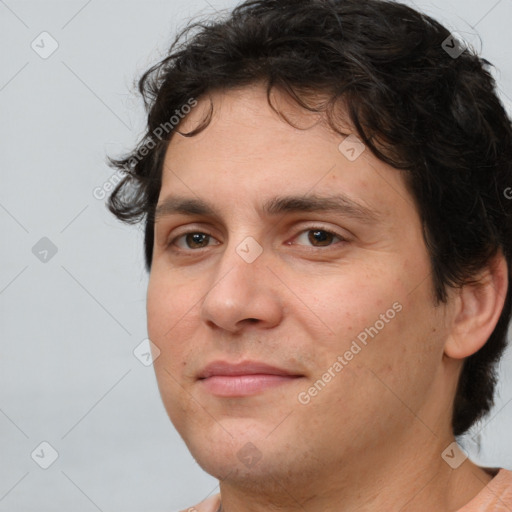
{"x": 372, "y": 438}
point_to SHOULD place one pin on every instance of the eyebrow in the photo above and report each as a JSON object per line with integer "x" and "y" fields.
{"x": 340, "y": 203}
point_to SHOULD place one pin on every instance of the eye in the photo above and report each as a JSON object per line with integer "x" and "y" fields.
{"x": 319, "y": 237}
{"x": 192, "y": 240}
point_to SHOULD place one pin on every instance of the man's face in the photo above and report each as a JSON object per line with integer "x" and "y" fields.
{"x": 337, "y": 300}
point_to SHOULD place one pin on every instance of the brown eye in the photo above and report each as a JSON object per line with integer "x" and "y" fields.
{"x": 193, "y": 240}
{"x": 196, "y": 240}
{"x": 320, "y": 237}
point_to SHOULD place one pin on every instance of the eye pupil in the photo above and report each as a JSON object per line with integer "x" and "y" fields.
{"x": 320, "y": 237}
{"x": 197, "y": 239}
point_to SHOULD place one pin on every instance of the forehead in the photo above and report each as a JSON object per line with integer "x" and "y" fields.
{"x": 252, "y": 116}
{"x": 249, "y": 150}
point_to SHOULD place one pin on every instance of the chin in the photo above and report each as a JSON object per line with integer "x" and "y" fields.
{"x": 239, "y": 452}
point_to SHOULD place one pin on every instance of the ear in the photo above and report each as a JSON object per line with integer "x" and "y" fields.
{"x": 478, "y": 306}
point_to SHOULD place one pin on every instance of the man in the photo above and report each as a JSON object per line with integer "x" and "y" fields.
{"x": 329, "y": 243}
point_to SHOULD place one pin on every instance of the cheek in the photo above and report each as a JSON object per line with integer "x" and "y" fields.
{"x": 354, "y": 302}
{"x": 167, "y": 303}
{"x": 377, "y": 321}
{"x": 388, "y": 347}
{"x": 170, "y": 311}
{"x": 169, "y": 326}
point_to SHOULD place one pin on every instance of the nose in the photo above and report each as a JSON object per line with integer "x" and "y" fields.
{"x": 242, "y": 293}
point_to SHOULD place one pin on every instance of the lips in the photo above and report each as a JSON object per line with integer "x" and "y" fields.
{"x": 225, "y": 379}
{"x": 245, "y": 368}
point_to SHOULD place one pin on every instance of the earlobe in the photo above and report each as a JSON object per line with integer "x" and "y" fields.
{"x": 479, "y": 306}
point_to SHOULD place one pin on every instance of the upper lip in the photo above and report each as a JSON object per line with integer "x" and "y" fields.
{"x": 244, "y": 368}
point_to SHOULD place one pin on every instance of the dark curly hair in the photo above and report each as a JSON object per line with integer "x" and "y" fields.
{"x": 432, "y": 114}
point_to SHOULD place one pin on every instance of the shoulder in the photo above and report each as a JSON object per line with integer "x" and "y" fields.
{"x": 210, "y": 504}
{"x": 495, "y": 497}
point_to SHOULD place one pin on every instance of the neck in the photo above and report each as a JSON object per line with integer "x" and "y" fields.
{"x": 419, "y": 480}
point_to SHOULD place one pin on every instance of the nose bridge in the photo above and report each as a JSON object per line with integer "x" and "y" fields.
{"x": 242, "y": 261}
{"x": 242, "y": 289}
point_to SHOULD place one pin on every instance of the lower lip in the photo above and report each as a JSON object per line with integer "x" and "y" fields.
{"x": 243, "y": 385}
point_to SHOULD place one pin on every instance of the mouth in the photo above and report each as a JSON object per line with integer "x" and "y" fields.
{"x": 243, "y": 379}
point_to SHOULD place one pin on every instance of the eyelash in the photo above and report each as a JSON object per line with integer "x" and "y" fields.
{"x": 172, "y": 242}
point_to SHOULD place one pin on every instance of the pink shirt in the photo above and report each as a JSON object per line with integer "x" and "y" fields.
{"x": 496, "y": 496}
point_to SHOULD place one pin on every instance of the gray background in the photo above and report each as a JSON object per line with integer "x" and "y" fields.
{"x": 70, "y": 324}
